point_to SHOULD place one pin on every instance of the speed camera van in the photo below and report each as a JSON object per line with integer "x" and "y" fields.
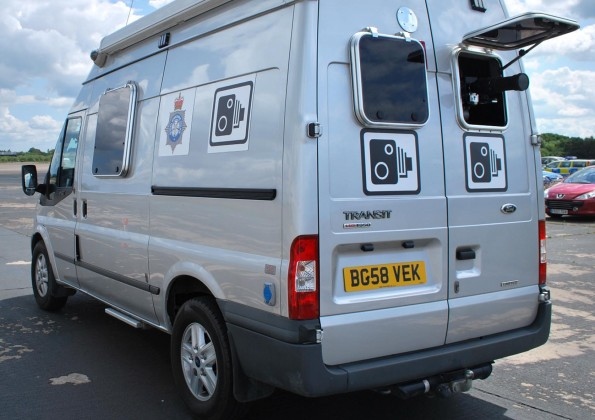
{"x": 317, "y": 196}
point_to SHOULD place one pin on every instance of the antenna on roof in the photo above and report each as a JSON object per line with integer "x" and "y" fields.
{"x": 129, "y": 11}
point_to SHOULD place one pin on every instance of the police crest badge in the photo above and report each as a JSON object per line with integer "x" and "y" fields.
{"x": 177, "y": 125}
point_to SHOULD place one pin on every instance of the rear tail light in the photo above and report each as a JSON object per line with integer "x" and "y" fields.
{"x": 302, "y": 284}
{"x": 542, "y": 254}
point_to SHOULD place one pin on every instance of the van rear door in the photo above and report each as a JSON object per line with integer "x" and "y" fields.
{"x": 492, "y": 167}
{"x": 382, "y": 225}
{"x": 428, "y": 211}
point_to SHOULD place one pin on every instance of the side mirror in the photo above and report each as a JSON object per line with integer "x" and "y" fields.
{"x": 29, "y": 179}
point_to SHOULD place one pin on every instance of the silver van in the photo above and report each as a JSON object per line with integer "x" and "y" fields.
{"x": 318, "y": 196}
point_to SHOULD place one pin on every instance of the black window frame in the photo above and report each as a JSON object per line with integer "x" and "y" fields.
{"x": 60, "y": 178}
{"x": 497, "y": 124}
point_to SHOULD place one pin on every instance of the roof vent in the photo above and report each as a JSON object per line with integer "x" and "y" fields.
{"x": 164, "y": 40}
{"x": 478, "y": 5}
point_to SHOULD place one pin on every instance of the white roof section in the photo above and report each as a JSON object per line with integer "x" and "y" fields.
{"x": 160, "y": 20}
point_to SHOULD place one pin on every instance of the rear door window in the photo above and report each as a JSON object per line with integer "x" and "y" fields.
{"x": 389, "y": 80}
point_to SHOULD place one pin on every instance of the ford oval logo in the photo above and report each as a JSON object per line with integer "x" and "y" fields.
{"x": 508, "y": 208}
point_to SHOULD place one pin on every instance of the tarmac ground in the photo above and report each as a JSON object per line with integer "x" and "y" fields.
{"x": 79, "y": 363}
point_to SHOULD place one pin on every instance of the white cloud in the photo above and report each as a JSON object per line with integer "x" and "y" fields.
{"x": 562, "y": 99}
{"x": 159, "y": 3}
{"x": 53, "y": 39}
{"x": 578, "y": 45}
{"x": 566, "y": 8}
{"x": 39, "y": 132}
{"x": 562, "y": 70}
{"x": 45, "y": 46}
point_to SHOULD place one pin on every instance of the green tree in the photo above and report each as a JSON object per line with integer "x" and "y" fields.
{"x": 552, "y": 144}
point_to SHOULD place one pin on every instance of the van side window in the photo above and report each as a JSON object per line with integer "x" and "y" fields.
{"x": 115, "y": 119}
{"x": 389, "y": 79}
{"x": 61, "y": 172}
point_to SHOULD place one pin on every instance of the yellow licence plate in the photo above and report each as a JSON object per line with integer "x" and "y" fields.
{"x": 371, "y": 277}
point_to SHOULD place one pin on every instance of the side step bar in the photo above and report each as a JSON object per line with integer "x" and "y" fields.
{"x": 124, "y": 318}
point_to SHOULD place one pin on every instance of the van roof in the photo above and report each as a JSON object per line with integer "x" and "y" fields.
{"x": 152, "y": 24}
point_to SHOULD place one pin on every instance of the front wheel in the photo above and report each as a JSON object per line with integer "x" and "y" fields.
{"x": 201, "y": 361}
{"x": 43, "y": 281}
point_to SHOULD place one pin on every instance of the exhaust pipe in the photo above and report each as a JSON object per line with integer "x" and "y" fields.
{"x": 445, "y": 384}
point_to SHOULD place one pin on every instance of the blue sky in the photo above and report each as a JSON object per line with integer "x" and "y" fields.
{"x": 46, "y": 44}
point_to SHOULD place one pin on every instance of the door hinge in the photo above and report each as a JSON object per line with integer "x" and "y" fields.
{"x": 314, "y": 130}
{"x": 535, "y": 139}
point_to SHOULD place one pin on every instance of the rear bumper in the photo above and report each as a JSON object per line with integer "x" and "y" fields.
{"x": 299, "y": 368}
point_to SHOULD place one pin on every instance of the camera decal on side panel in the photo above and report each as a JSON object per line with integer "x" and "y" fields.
{"x": 390, "y": 162}
{"x": 485, "y": 163}
{"x": 230, "y": 113}
{"x": 230, "y": 120}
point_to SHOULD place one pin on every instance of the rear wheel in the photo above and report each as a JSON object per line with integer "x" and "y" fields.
{"x": 201, "y": 361}
{"x": 43, "y": 281}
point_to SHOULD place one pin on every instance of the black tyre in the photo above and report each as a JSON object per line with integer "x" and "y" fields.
{"x": 43, "y": 281}
{"x": 201, "y": 361}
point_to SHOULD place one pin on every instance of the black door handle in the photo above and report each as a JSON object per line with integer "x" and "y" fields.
{"x": 465, "y": 254}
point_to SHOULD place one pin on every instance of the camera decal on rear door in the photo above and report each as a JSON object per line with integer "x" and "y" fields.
{"x": 231, "y": 118}
{"x": 485, "y": 163}
{"x": 390, "y": 162}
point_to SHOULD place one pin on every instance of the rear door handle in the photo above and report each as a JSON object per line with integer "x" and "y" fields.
{"x": 466, "y": 254}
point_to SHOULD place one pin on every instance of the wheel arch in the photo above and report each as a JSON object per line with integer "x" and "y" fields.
{"x": 183, "y": 281}
{"x": 185, "y": 287}
{"x": 41, "y": 235}
{"x": 35, "y": 239}
{"x": 180, "y": 290}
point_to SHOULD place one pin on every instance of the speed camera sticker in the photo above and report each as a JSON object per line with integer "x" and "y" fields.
{"x": 390, "y": 162}
{"x": 231, "y": 118}
{"x": 485, "y": 163}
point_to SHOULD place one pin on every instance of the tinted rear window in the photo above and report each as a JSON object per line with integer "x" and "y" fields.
{"x": 392, "y": 80}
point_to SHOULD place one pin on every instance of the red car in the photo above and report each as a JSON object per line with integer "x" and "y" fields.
{"x": 575, "y": 196}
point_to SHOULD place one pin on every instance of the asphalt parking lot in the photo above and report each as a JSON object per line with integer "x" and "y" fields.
{"x": 81, "y": 364}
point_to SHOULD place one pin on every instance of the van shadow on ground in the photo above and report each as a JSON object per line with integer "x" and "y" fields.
{"x": 80, "y": 363}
